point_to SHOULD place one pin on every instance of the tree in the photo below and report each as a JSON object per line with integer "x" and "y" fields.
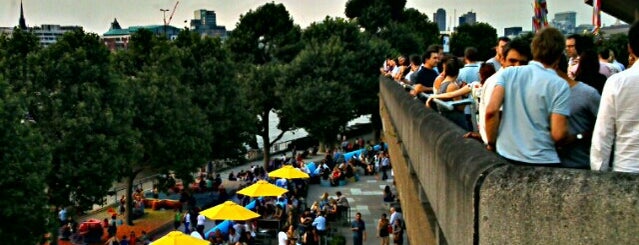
{"x": 211, "y": 75}
{"x": 374, "y": 15}
{"x": 361, "y": 49}
{"x": 26, "y": 161}
{"x": 84, "y": 117}
{"x": 322, "y": 78}
{"x": 171, "y": 132}
{"x": 413, "y": 34}
{"x": 16, "y": 57}
{"x": 258, "y": 42}
{"x": 264, "y": 44}
{"x": 260, "y": 84}
{"x": 480, "y": 35}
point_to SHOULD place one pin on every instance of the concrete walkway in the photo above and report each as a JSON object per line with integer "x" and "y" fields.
{"x": 364, "y": 196}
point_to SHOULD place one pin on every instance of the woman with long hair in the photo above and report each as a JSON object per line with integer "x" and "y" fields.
{"x": 383, "y": 228}
{"x": 588, "y": 70}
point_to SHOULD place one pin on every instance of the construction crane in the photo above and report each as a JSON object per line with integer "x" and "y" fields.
{"x": 166, "y": 23}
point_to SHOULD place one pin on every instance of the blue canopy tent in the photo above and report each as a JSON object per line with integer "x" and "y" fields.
{"x": 223, "y": 227}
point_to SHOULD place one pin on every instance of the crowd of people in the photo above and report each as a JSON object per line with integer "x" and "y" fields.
{"x": 551, "y": 101}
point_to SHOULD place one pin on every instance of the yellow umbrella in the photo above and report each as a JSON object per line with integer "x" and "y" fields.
{"x": 176, "y": 237}
{"x": 229, "y": 211}
{"x": 288, "y": 172}
{"x": 262, "y": 188}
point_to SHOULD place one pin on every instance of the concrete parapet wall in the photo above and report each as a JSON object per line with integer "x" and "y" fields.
{"x": 478, "y": 198}
{"x": 527, "y": 205}
{"x": 446, "y": 166}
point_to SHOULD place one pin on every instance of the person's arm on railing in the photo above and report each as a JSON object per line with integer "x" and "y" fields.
{"x": 493, "y": 118}
{"x": 424, "y": 97}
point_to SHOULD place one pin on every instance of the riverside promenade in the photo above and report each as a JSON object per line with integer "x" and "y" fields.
{"x": 364, "y": 196}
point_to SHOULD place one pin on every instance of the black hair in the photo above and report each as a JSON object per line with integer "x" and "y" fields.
{"x": 505, "y": 39}
{"x": 633, "y": 38}
{"x": 563, "y": 63}
{"x": 452, "y": 67}
{"x": 604, "y": 53}
{"x": 415, "y": 59}
{"x": 431, "y": 49}
{"x": 521, "y": 45}
{"x": 471, "y": 54}
{"x": 579, "y": 46}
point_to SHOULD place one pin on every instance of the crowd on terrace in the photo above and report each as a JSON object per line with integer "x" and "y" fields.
{"x": 551, "y": 101}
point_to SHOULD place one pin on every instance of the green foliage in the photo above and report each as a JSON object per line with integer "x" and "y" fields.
{"x": 320, "y": 101}
{"x": 619, "y": 44}
{"x": 15, "y": 62}
{"x": 211, "y": 74}
{"x": 26, "y": 160}
{"x": 337, "y": 74}
{"x": 373, "y": 15}
{"x": 257, "y": 41}
{"x": 481, "y": 36}
{"x": 404, "y": 38}
{"x": 84, "y": 116}
{"x": 264, "y": 44}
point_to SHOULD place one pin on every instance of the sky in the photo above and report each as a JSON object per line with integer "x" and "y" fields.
{"x": 96, "y": 15}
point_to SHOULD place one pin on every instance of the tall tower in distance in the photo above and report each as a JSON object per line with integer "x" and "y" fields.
{"x": 469, "y": 18}
{"x": 565, "y": 21}
{"x": 439, "y": 17}
{"x": 22, "y": 23}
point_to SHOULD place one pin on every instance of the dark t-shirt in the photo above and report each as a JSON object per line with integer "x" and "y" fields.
{"x": 362, "y": 227}
{"x": 426, "y": 77}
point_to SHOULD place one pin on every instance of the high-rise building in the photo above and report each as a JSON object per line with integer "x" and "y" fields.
{"x": 439, "y": 17}
{"x": 468, "y": 18}
{"x": 205, "y": 23}
{"x": 512, "y": 31}
{"x": 565, "y": 22}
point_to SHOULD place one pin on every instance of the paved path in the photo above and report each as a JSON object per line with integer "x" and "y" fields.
{"x": 364, "y": 196}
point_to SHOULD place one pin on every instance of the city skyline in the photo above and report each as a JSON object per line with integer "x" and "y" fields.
{"x": 96, "y": 16}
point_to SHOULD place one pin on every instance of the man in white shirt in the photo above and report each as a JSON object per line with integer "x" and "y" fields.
{"x": 200, "y": 224}
{"x": 617, "y": 123}
{"x": 234, "y": 236}
{"x": 282, "y": 237}
{"x": 395, "y": 216}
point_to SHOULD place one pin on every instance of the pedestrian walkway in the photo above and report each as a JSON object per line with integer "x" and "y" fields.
{"x": 365, "y": 197}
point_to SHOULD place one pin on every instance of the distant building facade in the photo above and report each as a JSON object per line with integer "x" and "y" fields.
{"x": 513, "y": 31}
{"x": 205, "y": 23}
{"x": 566, "y": 22}
{"x": 47, "y": 34}
{"x": 584, "y": 28}
{"x": 617, "y": 28}
{"x": 468, "y": 18}
{"x": 50, "y": 34}
{"x": 117, "y": 38}
{"x": 439, "y": 17}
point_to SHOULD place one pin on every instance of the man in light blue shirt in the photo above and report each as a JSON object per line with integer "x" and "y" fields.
{"x": 535, "y": 106}
{"x": 320, "y": 224}
{"x": 468, "y": 74}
